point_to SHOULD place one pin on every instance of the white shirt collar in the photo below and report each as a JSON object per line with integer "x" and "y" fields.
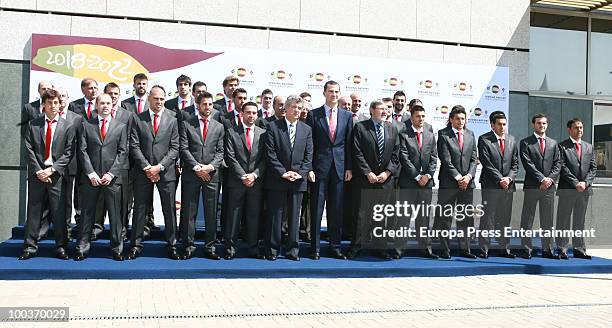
{"x": 108, "y": 118}
{"x": 538, "y": 137}
{"x": 160, "y": 113}
{"x": 187, "y": 101}
{"x": 497, "y": 136}
{"x": 415, "y": 129}
{"x": 328, "y": 109}
{"x": 56, "y": 118}
{"x": 289, "y": 123}
{"x": 575, "y": 141}
{"x": 93, "y": 102}
{"x": 455, "y": 130}
{"x": 200, "y": 117}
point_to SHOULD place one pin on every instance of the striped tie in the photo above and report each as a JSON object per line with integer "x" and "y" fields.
{"x": 380, "y": 141}
{"x": 291, "y": 134}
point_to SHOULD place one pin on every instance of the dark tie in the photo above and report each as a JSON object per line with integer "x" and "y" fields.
{"x": 49, "y": 138}
{"x": 291, "y": 135}
{"x": 380, "y": 142}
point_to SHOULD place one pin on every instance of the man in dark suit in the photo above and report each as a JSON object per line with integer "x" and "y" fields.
{"x": 234, "y": 118}
{"x": 138, "y": 103}
{"x": 575, "y": 187}
{"x": 498, "y": 154}
{"x": 197, "y": 89}
{"x": 225, "y": 104}
{"x": 245, "y": 158}
{"x": 376, "y": 151}
{"x": 49, "y": 143}
{"x": 289, "y": 159}
{"x": 278, "y": 105}
{"x": 541, "y": 160}
{"x": 86, "y": 106}
{"x": 399, "y": 104}
{"x": 266, "y": 105}
{"x": 33, "y": 110}
{"x": 184, "y": 98}
{"x": 71, "y": 183}
{"x": 102, "y": 153}
{"x": 154, "y": 147}
{"x": 201, "y": 157}
{"x": 332, "y": 130}
{"x": 457, "y": 151}
{"x": 418, "y": 158}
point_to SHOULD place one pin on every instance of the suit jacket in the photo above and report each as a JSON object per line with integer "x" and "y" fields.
{"x": 128, "y": 118}
{"x": 455, "y": 161}
{"x": 29, "y": 112}
{"x": 282, "y": 158}
{"x": 62, "y": 149}
{"x": 220, "y": 106}
{"x": 365, "y": 152}
{"x": 194, "y": 152}
{"x": 494, "y": 165}
{"x": 174, "y": 106}
{"x": 417, "y": 161}
{"x": 96, "y": 155}
{"x": 77, "y": 122}
{"x": 575, "y": 170}
{"x": 149, "y": 149}
{"x": 238, "y": 158}
{"x": 538, "y": 167}
{"x": 330, "y": 155}
{"x": 78, "y": 106}
{"x": 130, "y": 105}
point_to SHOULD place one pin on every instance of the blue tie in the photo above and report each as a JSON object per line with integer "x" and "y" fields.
{"x": 380, "y": 141}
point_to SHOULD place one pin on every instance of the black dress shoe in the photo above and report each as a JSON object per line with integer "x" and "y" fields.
{"x": 187, "y": 255}
{"x": 154, "y": 227}
{"x": 315, "y": 256}
{"x": 396, "y": 256}
{"x": 271, "y": 257}
{"x": 133, "y": 253}
{"x": 581, "y": 255}
{"x": 80, "y": 256}
{"x": 117, "y": 256}
{"x": 337, "y": 254}
{"x": 257, "y": 256}
{"x": 467, "y": 255}
{"x": 173, "y": 254}
{"x": 549, "y": 255}
{"x": 212, "y": 256}
{"x": 352, "y": 254}
{"x": 229, "y": 256}
{"x": 62, "y": 255}
{"x": 445, "y": 255}
{"x": 508, "y": 255}
{"x": 527, "y": 255}
{"x": 483, "y": 254}
{"x": 384, "y": 255}
{"x": 563, "y": 256}
{"x": 93, "y": 237}
{"x": 292, "y": 257}
{"x": 26, "y": 256}
{"x": 426, "y": 253}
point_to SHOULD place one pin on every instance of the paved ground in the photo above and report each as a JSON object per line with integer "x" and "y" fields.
{"x": 475, "y": 301}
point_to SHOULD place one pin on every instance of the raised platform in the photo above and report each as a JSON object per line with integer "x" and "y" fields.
{"x": 154, "y": 265}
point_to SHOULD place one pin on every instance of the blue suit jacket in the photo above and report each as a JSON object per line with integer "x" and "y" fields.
{"x": 330, "y": 155}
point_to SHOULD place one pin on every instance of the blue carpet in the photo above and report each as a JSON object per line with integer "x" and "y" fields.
{"x": 153, "y": 265}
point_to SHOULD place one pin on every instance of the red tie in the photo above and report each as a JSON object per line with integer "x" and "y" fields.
{"x": 155, "y": 123}
{"x": 398, "y": 117}
{"x": 89, "y": 110}
{"x": 113, "y": 113}
{"x": 460, "y": 139}
{"x": 239, "y": 118}
{"x": 229, "y": 106}
{"x": 103, "y": 129}
{"x": 332, "y": 125}
{"x": 247, "y": 135}
{"x": 354, "y": 116}
{"x": 49, "y": 138}
{"x": 184, "y": 103}
{"x": 578, "y": 151}
{"x": 542, "y": 147}
{"x": 61, "y": 114}
{"x": 502, "y": 147}
{"x": 139, "y": 106}
{"x": 266, "y": 115}
{"x": 205, "y": 129}
{"x": 419, "y": 141}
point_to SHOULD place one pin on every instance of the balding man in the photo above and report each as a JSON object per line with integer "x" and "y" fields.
{"x": 33, "y": 110}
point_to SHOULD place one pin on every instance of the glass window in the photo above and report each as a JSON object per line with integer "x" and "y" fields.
{"x": 601, "y": 55}
{"x": 557, "y": 58}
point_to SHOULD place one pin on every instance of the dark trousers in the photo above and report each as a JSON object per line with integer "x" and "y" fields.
{"x": 326, "y": 191}
{"x": 497, "y": 216}
{"x": 111, "y": 196}
{"x": 349, "y": 211}
{"x": 454, "y": 197}
{"x": 280, "y": 202}
{"x": 71, "y": 184}
{"x": 365, "y": 197}
{"x": 305, "y": 216}
{"x": 546, "y": 199}
{"x": 50, "y": 196}
{"x": 143, "y": 197}
{"x": 190, "y": 195}
{"x": 127, "y": 198}
{"x": 243, "y": 202}
{"x": 423, "y": 197}
{"x": 571, "y": 212}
